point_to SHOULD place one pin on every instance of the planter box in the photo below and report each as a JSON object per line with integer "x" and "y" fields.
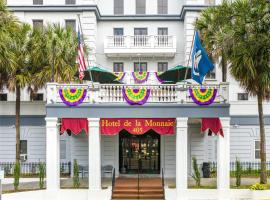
{"x": 260, "y": 194}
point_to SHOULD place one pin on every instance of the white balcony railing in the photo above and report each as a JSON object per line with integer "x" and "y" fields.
{"x": 112, "y": 93}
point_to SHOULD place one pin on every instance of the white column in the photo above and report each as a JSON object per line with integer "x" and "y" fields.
{"x": 223, "y": 157}
{"x": 52, "y": 154}
{"x": 181, "y": 154}
{"x": 94, "y": 154}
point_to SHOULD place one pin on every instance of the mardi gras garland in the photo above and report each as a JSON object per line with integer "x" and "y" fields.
{"x": 72, "y": 97}
{"x": 120, "y": 75}
{"x": 203, "y": 96}
{"x": 158, "y": 78}
{"x": 136, "y": 96}
{"x": 140, "y": 77}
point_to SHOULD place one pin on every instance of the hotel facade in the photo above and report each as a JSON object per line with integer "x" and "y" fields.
{"x": 129, "y": 36}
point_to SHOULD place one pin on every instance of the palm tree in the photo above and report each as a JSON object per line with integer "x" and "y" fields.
{"x": 245, "y": 42}
{"x": 58, "y": 55}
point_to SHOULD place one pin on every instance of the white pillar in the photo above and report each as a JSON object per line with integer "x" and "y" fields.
{"x": 223, "y": 157}
{"x": 52, "y": 154}
{"x": 94, "y": 154}
{"x": 181, "y": 154}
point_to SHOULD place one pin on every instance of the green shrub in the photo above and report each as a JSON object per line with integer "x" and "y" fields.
{"x": 41, "y": 168}
{"x": 196, "y": 175}
{"x": 17, "y": 174}
{"x": 258, "y": 186}
{"x": 238, "y": 173}
{"x": 76, "y": 179}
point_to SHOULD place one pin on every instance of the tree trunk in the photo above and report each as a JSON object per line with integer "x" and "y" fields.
{"x": 224, "y": 67}
{"x": 17, "y": 124}
{"x": 263, "y": 175}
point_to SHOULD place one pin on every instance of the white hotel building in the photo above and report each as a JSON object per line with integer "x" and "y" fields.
{"x": 111, "y": 29}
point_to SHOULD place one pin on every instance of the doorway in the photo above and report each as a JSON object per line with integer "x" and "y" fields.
{"x": 139, "y": 153}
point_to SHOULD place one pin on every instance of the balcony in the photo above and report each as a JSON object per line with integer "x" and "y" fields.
{"x": 159, "y": 93}
{"x": 142, "y": 45}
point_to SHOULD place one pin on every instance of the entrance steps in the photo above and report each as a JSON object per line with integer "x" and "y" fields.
{"x": 127, "y": 188}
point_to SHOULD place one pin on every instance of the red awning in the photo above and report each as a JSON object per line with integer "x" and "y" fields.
{"x": 162, "y": 126}
{"x": 212, "y": 124}
{"x": 74, "y": 125}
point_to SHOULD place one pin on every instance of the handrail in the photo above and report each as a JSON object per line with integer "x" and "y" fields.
{"x": 113, "y": 182}
{"x": 162, "y": 173}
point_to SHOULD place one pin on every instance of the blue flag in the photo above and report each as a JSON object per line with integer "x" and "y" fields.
{"x": 201, "y": 64}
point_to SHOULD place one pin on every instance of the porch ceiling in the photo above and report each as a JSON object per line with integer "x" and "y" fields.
{"x": 145, "y": 111}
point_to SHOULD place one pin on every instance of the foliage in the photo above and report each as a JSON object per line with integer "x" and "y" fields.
{"x": 41, "y": 168}
{"x": 76, "y": 179}
{"x": 17, "y": 174}
{"x": 196, "y": 175}
{"x": 243, "y": 39}
{"x": 238, "y": 173}
{"x": 258, "y": 186}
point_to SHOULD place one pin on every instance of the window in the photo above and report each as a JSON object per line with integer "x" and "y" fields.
{"x": 70, "y": 2}
{"x": 37, "y": 97}
{"x": 162, "y": 66}
{"x": 118, "y": 7}
{"x": 3, "y": 97}
{"x": 140, "y": 67}
{"x": 118, "y": 67}
{"x": 140, "y": 31}
{"x": 211, "y": 74}
{"x": 163, "y": 31}
{"x": 140, "y": 6}
{"x": 37, "y": 2}
{"x": 37, "y": 23}
{"x": 63, "y": 149}
{"x": 118, "y": 31}
{"x": 242, "y": 96}
{"x": 71, "y": 23}
{"x": 23, "y": 147}
{"x": 162, "y": 6}
{"x": 257, "y": 149}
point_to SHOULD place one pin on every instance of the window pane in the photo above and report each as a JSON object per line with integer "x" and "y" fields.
{"x": 118, "y": 7}
{"x": 211, "y": 74}
{"x": 23, "y": 146}
{"x": 162, "y": 31}
{"x": 140, "y": 31}
{"x": 140, "y": 6}
{"x": 142, "y": 67}
{"x": 118, "y": 31}
{"x": 37, "y": 2}
{"x": 3, "y": 97}
{"x": 257, "y": 145}
{"x": 257, "y": 154}
{"x": 162, "y": 66}
{"x": 37, "y": 23}
{"x": 118, "y": 67}
{"x": 70, "y": 2}
{"x": 37, "y": 97}
{"x": 162, "y": 6}
{"x": 242, "y": 96}
{"x": 71, "y": 23}
{"x": 63, "y": 149}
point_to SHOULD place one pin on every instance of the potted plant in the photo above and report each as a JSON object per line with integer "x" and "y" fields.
{"x": 259, "y": 191}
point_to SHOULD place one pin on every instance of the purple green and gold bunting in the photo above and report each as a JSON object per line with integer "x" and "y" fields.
{"x": 120, "y": 75}
{"x": 72, "y": 97}
{"x": 203, "y": 96}
{"x": 140, "y": 77}
{"x": 136, "y": 96}
{"x": 157, "y": 76}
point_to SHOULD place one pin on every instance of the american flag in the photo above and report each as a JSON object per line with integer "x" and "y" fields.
{"x": 81, "y": 61}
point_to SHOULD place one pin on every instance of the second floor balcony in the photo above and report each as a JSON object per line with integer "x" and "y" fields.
{"x": 142, "y": 45}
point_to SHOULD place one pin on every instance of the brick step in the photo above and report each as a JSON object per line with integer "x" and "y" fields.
{"x": 135, "y": 187}
{"x": 134, "y": 191}
{"x": 135, "y": 196}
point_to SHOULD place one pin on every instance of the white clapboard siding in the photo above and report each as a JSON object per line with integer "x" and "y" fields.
{"x": 169, "y": 152}
{"x": 79, "y": 149}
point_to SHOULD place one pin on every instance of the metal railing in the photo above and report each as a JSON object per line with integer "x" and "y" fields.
{"x": 32, "y": 168}
{"x": 113, "y": 182}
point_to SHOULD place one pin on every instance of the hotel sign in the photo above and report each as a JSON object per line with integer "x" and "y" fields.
{"x": 112, "y": 126}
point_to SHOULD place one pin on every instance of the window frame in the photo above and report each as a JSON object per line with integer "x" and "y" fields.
{"x": 257, "y": 140}
{"x": 162, "y": 63}
{"x": 37, "y": 2}
{"x": 70, "y": 2}
{"x": 242, "y": 94}
{"x": 6, "y": 96}
{"x": 162, "y": 7}
{"x": 140, "y": 10}
{"x": 26, "y": 142}
{"x": 69, "y": 21}
{"x": 35, "y": 23}
{"x": 211, "y": 75}
{"x": 118, "y": 10}
{"x": 135, "y": 63}
{"x": 35, "y": 97}
{"x": 116, "y": 63}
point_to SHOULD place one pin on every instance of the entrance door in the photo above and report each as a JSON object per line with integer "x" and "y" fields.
{"x": 139, "y": 153}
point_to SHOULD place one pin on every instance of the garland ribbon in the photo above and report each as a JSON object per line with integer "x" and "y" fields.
{"x": 140, "y": 77}
{"x": 203, "y": 96}
{"x": 120, "y": 75}
{"x": 136, "y": 96}
{"x": 71, "y": 96}
{"x": 158, "y": 78}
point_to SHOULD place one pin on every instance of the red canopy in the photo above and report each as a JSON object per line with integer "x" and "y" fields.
{"x": 137, "y": 126}
{"x": 212, "y": 124}
{"x": 75, "y": 125}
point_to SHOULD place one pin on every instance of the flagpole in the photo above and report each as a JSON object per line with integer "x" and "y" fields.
{"x": 80, "y": 27}
{"x": 192, "y": 45}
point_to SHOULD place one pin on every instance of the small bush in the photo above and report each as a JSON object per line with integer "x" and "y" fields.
{"x": 17, "y": 174}
{"x": 196, "y": 175}
{"x": 76, "y": 179}
{"x": 41, "y": 167}
{"x": 238, "y": 173}
{"x": 258, "y": 186}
